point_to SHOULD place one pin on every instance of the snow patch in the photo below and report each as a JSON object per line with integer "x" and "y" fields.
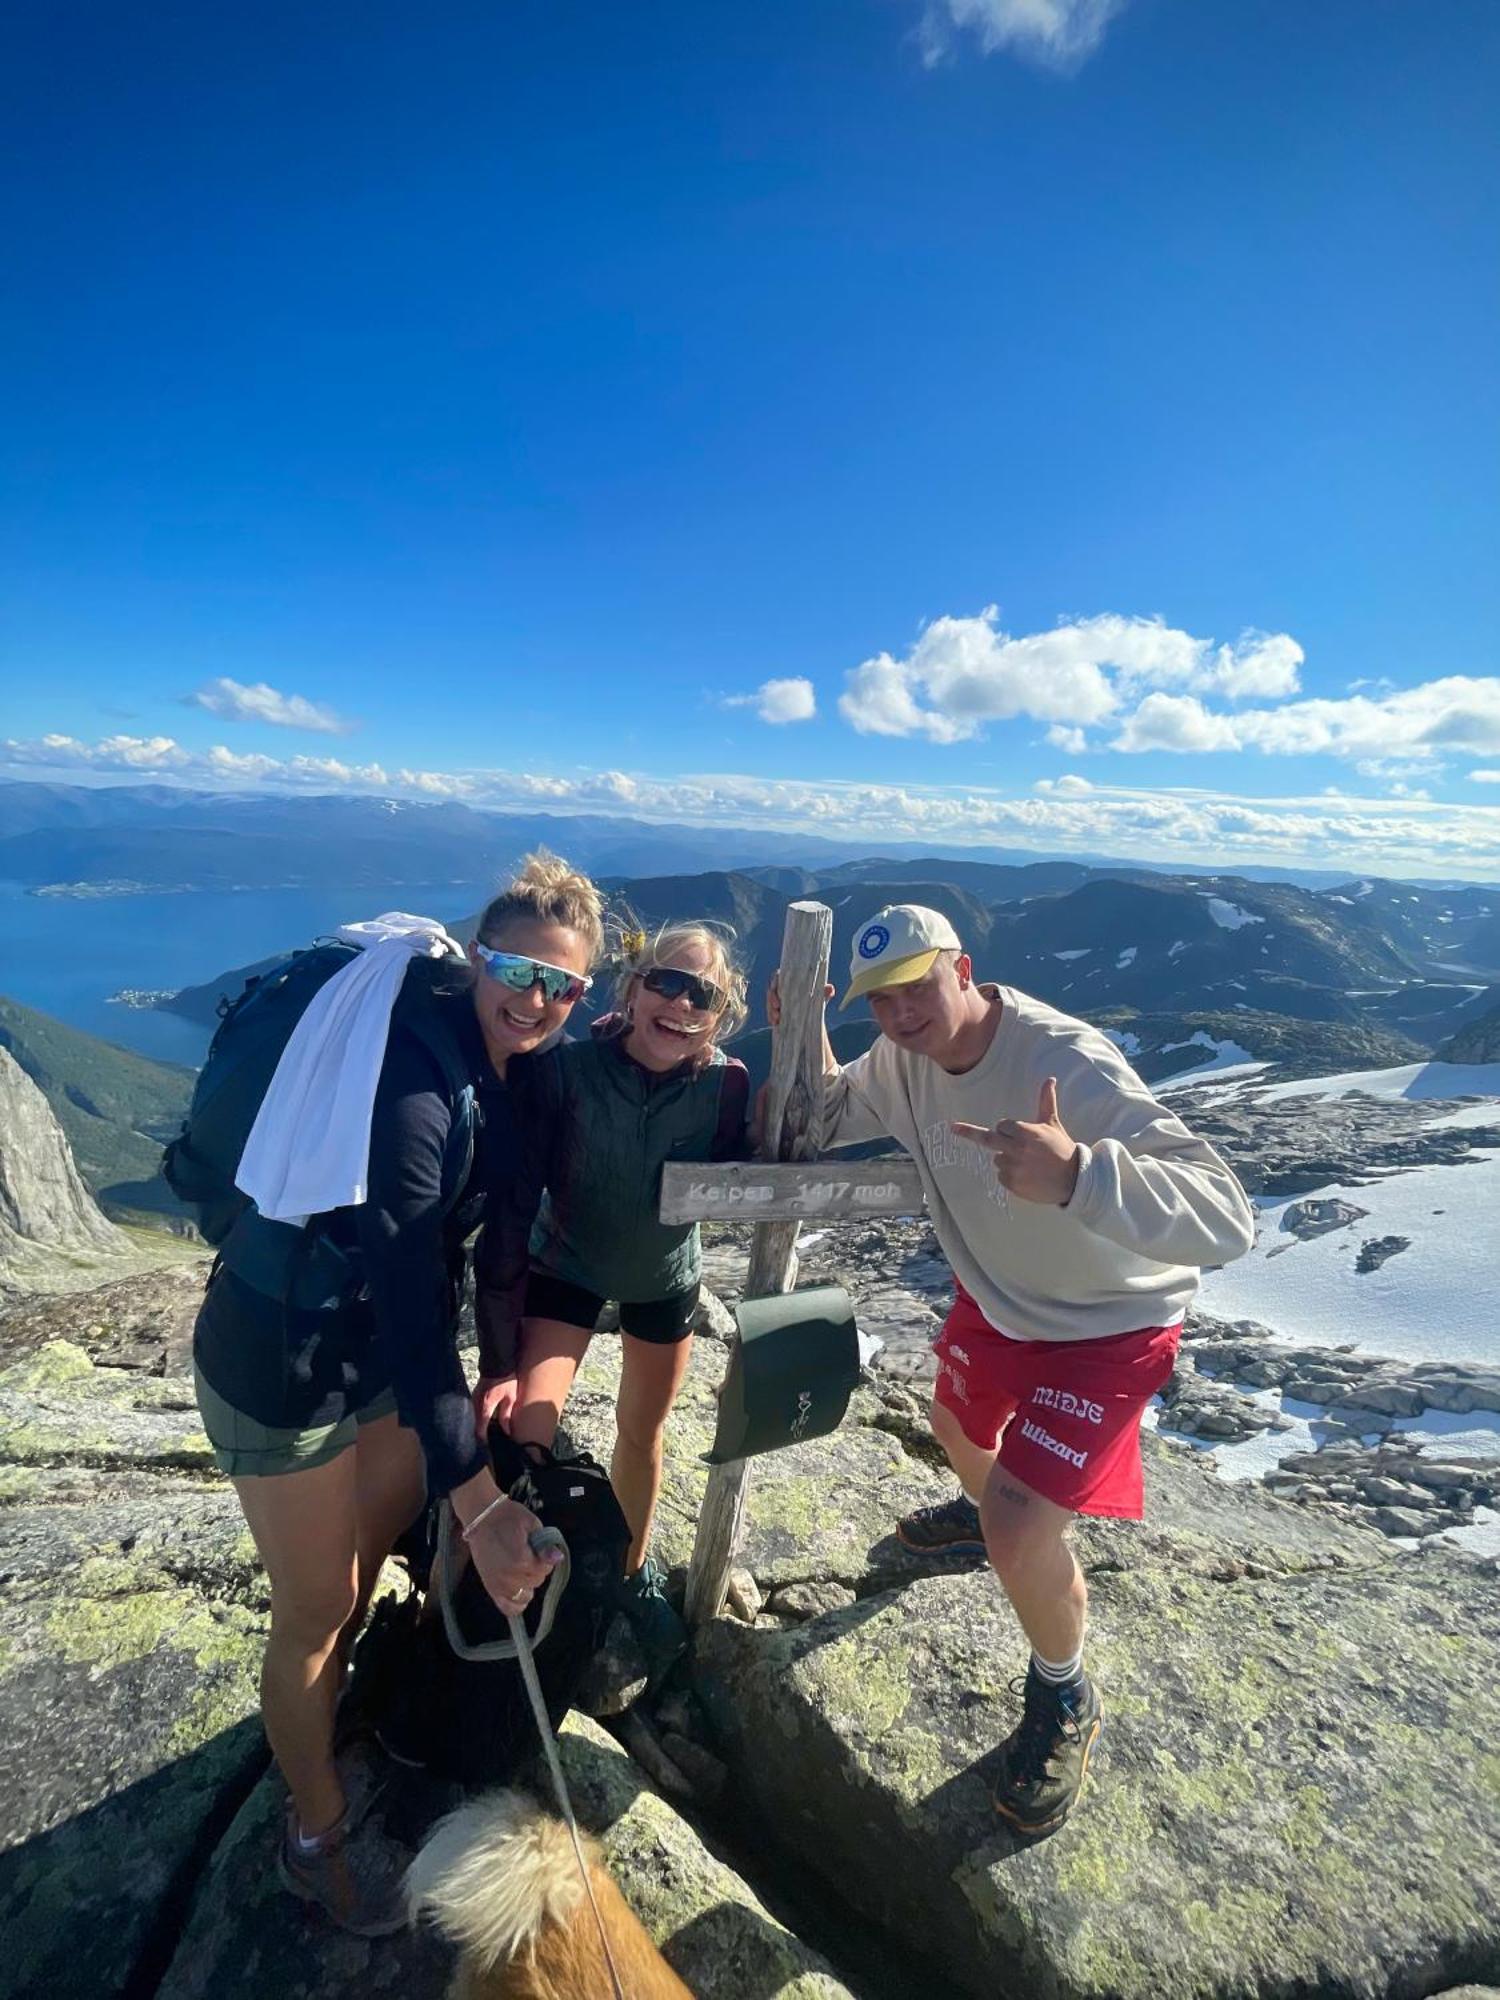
{"x": 1431, "y": 1302}
{"x": 1173, "y": 949}
{"x": 1229, "y": 916}
{"x": 1226, "y": 1055}
{"x": 1232, "y": 1076}
{"x": 1127, "y": 957}
{"x": 1125, "y": 1041}
{"x": 1412, "y": 1081}
{"x": 1082, "y": 952}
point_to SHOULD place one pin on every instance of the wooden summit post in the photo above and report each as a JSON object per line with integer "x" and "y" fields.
{"x": 793, "y": 1131}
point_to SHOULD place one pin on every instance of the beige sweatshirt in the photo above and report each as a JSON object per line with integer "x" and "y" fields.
{"x": 1152, "y": 1204}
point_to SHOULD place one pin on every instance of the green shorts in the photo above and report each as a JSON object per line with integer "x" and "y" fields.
{"x": 244, "y": 1448}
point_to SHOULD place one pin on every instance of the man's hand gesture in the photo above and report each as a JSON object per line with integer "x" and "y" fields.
{"x": 1034, "y": 1159}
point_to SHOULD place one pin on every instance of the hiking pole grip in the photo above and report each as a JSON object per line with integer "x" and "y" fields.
{"x": 541, "y": 1541}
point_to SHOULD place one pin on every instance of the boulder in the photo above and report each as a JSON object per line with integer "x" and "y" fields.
{"x": 245, "y": 1939}
{"x": 1388, "y": 1395}
{"x": 1377, "y": 1250}
{"x": 129, "y": 1678}
{"x": 53, "y": 1235}
{"x": 143, "y": 1322}
{"x": 1406, "y": 1521}
{"x": 242, "y": 1937}
{"x": 810, "y": 1600}
{"x": 715, "y": 1932}
{"x": 1310, "y": 1218}
{"x": 1291, "y": 1793}
{"x": 58, "y": 1408}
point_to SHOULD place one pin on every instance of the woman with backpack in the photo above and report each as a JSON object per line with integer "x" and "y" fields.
{"x": 651, "y": 1084}
{"x": 333, "y": 1415}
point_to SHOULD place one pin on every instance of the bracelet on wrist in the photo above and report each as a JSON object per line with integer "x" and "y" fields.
{"x": 483, "y": 1515}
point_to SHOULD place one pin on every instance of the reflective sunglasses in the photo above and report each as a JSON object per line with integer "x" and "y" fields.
{"x": 672, "y": 983}
{"x": 521, "y": 974}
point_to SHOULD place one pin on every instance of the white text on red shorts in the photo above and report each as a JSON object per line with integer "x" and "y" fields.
{"x": 1068, "y": 1405}
{"x": 1036, "y": 1435}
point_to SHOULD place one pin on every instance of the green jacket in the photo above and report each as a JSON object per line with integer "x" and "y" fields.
{"x": 591, "y": 1217}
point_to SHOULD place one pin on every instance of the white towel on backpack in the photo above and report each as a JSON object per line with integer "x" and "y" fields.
{"x": 309, "y": 1148}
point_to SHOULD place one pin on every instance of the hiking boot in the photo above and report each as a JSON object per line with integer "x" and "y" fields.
{"x": 659, "y": 1630}
{"x": 356, "y": 1873}
{"x": 950, "y": 1529}
{"x": 1047, "y": 1755}
{"x": 364, "y": 1775}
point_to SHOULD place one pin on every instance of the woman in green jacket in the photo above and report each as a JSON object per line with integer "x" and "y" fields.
{"x": 651, "y": 1085}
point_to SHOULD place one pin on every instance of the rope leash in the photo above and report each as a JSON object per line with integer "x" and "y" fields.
{"x": 518, "y": 1647}
{"x": 541, "y": 1541}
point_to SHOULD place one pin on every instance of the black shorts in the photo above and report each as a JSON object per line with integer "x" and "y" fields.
{"x": 290, "y": 1370}
{"x": 663, "y": 1322}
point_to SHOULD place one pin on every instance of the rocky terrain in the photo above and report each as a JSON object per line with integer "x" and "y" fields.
{"x": 52, "y": 1235}
{"x": 116, "y": 1109}
{"x": 1478, "y": 1042}
{"x": 1288, "y": 1796}
{"x": 1295, "y": 1793}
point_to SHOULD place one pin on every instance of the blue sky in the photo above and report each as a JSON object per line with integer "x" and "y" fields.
{"x": 1089, "y": 413}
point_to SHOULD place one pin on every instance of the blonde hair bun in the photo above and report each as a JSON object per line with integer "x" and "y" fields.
{"x": 548, "y": 890}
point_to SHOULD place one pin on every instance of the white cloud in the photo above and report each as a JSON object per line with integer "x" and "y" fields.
{"x": 1264, "y": 665}
{"x": 163, "y": 756}
{"x": 878, "y": 701}
{"x": 1417, "y": 724}
{"x": 793, "y": 700}
{"x": 1175, "y": 722}
{"x": 1060, "y": 33}
{"x": 1484, "y": 777}
{"x": 112, "y": 753}
{"x": 260, "y": 703}
{"x": 965, "y": 672}
{"x": 1193, "y": 828}
{"x": 331, "y": 771}
{"x": 1073, "y": 742}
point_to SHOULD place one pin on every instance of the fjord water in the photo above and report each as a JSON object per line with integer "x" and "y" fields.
{"x": 66, "y": 955}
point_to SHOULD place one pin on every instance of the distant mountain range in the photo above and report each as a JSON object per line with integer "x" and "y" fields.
{"x": 154, "y": 837}
{"x": 1407, "y": 964}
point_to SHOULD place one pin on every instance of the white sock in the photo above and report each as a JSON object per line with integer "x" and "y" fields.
{"x": 1058, "y": 1673}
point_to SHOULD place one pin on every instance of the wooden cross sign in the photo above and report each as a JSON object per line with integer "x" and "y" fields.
{"x": 788, "y": 1185}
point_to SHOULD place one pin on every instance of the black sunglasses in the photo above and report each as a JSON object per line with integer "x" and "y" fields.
{"x": 672, "y": 983}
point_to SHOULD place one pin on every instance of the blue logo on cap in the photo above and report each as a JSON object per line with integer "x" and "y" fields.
{"x": 874, "y": 941}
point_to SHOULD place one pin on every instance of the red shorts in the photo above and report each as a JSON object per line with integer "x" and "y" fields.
{"x": 1070, "y": 1410}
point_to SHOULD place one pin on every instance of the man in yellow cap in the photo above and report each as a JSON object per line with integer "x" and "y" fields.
{"x": 1076, "y": 1212}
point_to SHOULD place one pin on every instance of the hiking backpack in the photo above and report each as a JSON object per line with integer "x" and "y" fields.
{"x": 300, "y": 1266}
{"x": 461, "y": 1716}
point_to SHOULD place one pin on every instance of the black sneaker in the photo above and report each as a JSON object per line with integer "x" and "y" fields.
{"x": 951, "y": 1529}
{"x": 1047, "y": 1755}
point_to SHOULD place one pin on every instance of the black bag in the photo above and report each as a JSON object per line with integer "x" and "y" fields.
{"x": 469, "y": 1721}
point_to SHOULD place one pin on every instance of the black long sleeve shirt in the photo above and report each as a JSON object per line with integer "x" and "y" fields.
{"x": 295, "y": 1369}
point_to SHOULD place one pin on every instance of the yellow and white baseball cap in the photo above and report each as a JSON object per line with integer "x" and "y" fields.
{"x": 897, "y": 945}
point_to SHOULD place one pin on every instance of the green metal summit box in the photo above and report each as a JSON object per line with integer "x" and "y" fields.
{"x": 790, "y": 1375}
